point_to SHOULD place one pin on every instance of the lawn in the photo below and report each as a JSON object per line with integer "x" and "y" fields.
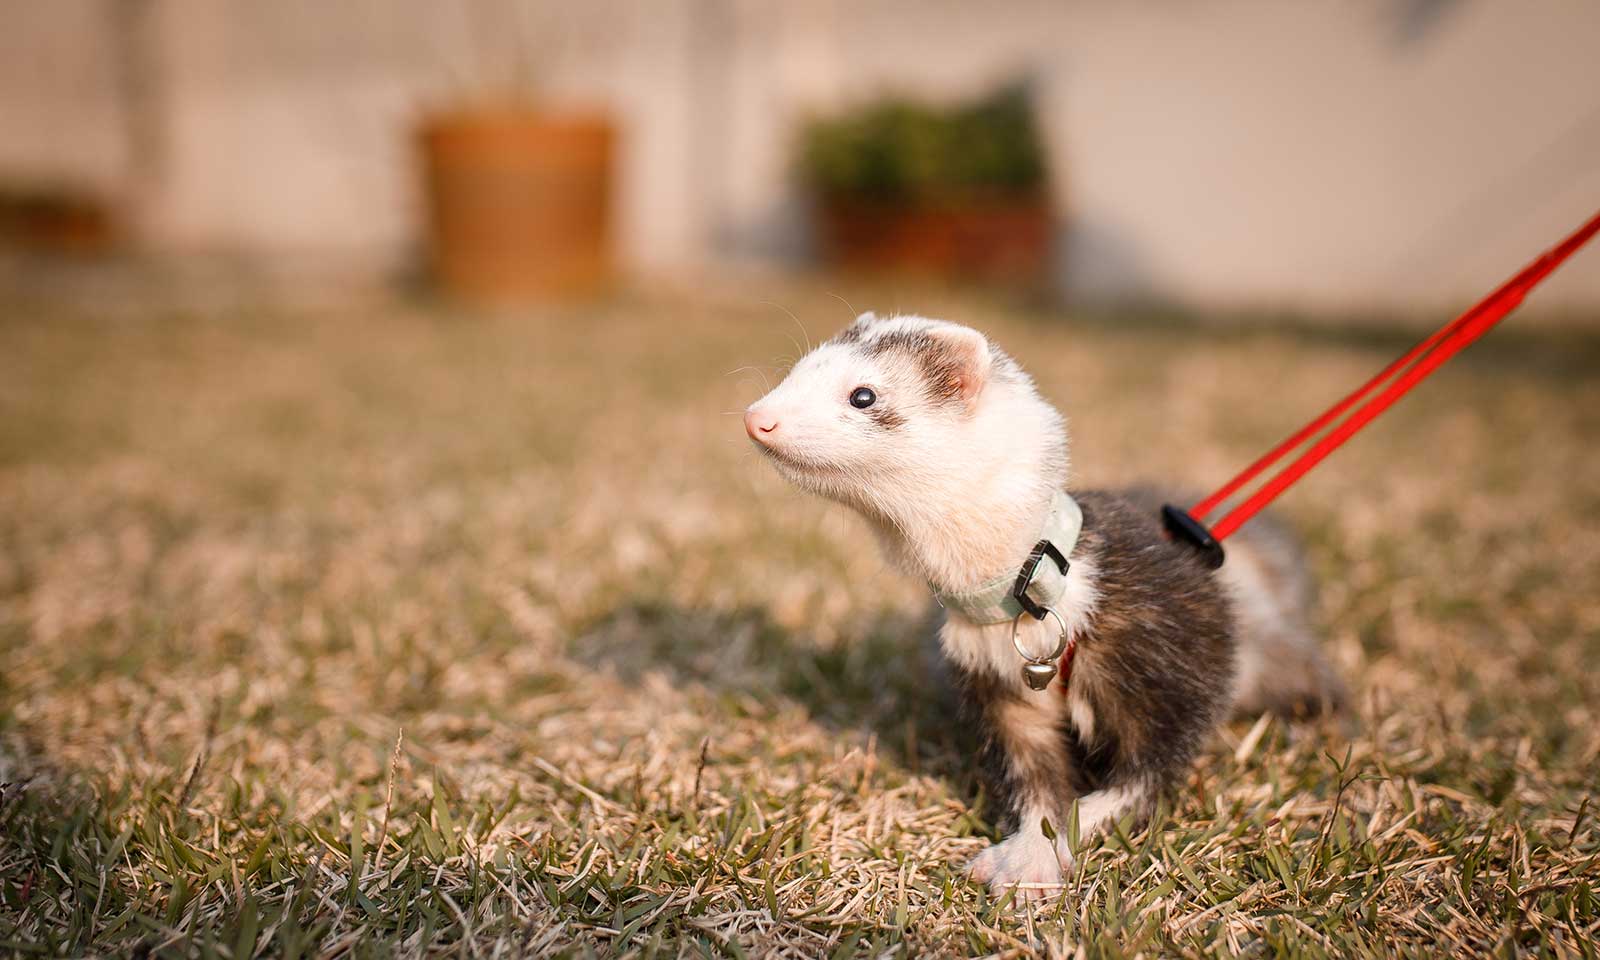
{"x": 381, "y": 629}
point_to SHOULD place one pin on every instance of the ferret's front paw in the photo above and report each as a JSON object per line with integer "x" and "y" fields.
{"x": 1027, "y": 862}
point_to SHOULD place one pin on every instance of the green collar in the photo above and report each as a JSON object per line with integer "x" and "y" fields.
{"x": 995, "y": 602}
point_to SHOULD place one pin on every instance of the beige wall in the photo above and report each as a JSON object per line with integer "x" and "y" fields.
{"x": 59, "y": 112}
{"x": 1318, "y": 155}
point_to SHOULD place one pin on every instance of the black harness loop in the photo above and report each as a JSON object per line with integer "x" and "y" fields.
{"x": 1181, "y": 526}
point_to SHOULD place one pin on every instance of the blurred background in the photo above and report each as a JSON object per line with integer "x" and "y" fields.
{"x": 1378, "y": 155}
{"x": 384, "y": 569}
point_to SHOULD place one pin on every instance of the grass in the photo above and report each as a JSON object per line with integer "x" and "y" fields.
{"x": 373, "y": 631}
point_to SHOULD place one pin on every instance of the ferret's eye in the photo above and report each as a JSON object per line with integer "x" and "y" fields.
{"x": 862, "y": 398}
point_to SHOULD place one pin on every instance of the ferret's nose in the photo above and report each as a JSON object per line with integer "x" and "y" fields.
{"x": 759, "y": 424}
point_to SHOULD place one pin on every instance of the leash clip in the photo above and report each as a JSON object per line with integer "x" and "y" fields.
{"x": 1030, "y": 568}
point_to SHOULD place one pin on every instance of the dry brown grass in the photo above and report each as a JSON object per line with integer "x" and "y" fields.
{"x": 654, "y": 702}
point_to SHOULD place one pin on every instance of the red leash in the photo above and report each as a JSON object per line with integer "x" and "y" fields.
{"x": 1417, "y": 363}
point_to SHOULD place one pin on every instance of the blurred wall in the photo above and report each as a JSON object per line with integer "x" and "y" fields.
{"x": 60, "y": 116}
{"x": 1321, "y": 155}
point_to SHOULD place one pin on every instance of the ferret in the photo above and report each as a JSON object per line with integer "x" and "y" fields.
{"x": 942, "y": 442}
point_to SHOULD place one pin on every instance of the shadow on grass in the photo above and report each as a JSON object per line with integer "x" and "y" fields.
{"x": 887, "y": 680}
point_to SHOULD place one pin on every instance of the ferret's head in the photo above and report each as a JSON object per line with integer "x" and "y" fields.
{"x": 917, "y": 423}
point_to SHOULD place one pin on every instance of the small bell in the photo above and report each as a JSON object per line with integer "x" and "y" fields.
{"x": 1038, "y": 675}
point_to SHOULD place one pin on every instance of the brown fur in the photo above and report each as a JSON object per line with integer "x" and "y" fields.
{"x": 942, "y": 368}
{"x": 1165, "y": 645}
{"x": 1155, "y": 667}
{"x": 1272, "y": 618}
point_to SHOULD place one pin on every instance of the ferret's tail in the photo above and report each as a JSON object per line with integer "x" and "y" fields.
{"x": 1281, "y": 666}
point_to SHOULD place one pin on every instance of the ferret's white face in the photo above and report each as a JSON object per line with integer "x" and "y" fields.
{"x": 899, "y": 414}
{"x": 927, "y": 429}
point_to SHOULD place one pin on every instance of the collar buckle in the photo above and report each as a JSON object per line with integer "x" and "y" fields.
{"x": 1030, "y": 568}
{"x": 1036, "y": 587}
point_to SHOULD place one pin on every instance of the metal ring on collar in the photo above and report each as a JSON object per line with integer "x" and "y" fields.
{"x": 1051, "y": 657}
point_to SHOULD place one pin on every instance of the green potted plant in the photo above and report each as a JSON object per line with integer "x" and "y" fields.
{"x": 960, "y": 190}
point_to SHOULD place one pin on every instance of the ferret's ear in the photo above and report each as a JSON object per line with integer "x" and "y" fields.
{"x": 857, "y": 331}
{"x": 963, "y": 362}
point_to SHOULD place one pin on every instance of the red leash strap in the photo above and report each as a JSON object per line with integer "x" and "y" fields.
{"x": 1417, "y": 364}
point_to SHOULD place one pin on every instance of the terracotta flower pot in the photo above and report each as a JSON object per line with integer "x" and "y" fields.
{"x": 519, "y": 204}
{"x": 1000, "y": 238}
{"x": 57, "y": 221}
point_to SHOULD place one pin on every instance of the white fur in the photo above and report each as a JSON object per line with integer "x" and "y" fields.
{"x": 1027, "y": 860}
{"x": 1100, "y": 809}
{"x": 958, "y": 493}
{"x": 1082, "y": 713}
{"x": 988, "y": 648}
{"x": 1258, "y": 611}
{"x": 1031, "y": 862}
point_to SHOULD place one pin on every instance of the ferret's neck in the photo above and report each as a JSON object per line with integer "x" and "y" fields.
{"x": 981, "y": 520}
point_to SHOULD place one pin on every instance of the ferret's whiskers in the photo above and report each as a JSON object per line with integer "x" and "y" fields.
{"x": 759, "y": 372}
{"x": 847, "y": 306}
{"x": 803, "y": 332}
